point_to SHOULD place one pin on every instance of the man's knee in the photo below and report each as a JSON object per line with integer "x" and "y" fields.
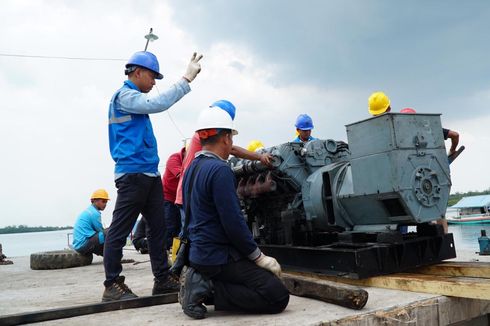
{"x": 99, "y": 250}
{"x": 277, "y": 295}
{"x": 280, "y": 305}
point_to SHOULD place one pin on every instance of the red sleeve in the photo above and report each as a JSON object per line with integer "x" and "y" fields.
{"x": 174, "y": 164}
{"x": 194, "y": 147}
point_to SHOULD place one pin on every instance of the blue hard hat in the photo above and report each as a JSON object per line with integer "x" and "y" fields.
{"x": 227, "y": 106}
{"x": 304, "y": 122}
{"x": 146, "y": 60}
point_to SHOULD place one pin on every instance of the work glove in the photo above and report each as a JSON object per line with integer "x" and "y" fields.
{"x": 269, "y": 263}
{"x": 193, "y": 68}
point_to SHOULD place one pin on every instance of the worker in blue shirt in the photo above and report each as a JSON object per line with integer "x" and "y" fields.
{"x": 227, "y": 268}
{"x": 303, "y": 125}
{"x": 139, "y": 187}
{"x": 88, "y": 232}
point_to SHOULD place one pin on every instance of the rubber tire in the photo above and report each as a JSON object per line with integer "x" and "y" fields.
{"x": 59, "y": 259}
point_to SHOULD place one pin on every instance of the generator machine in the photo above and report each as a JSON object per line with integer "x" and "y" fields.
{"x": 357, "y": 209}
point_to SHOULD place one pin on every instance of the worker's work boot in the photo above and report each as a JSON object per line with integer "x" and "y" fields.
{"x": 118, "y": 291}
{"x": 194, "y": 291}
{"x": 168, "y": 285}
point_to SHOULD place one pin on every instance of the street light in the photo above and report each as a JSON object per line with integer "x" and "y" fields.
{"x": 150, "y": 37}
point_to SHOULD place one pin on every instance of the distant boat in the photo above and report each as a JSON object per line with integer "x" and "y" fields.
{"x": 469, "y": 219}
{"x": 472, "y": 210}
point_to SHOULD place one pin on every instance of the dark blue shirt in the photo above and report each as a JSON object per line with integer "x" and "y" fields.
{"x": 445, "y": 133}
{"x": 218, "y": 232}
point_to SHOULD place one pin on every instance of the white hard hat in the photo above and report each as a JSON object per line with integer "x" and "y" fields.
{"x": 215, "y": 118}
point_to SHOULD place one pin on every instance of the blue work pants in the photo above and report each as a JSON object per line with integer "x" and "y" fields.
{"x": 137, "y": 194}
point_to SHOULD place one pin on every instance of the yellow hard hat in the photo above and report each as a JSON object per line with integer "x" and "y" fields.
{"x": 255, "y": 145}
{"x": 100, "y": 194}
{"x": 378, "y": 103}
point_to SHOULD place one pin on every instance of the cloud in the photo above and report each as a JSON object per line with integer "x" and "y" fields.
{"x": 273, "y": 59}
{"x": 420, "y": 50}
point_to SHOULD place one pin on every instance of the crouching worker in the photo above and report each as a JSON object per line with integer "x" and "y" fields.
{"x": 227, "y": 269}
{"x": 88, "y": 232}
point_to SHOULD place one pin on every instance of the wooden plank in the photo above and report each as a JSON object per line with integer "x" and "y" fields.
{"x": 467, "y": 269}
{"x": 340, "y": 294}
{"x": 462, "y": 287}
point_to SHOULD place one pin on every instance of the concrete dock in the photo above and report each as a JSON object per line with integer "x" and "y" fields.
{"x": 24, "y": 290}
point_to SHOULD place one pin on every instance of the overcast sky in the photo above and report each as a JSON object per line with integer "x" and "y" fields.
{"x": 272, "y": 59}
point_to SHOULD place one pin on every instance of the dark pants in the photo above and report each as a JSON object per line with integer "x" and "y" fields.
{"x": 140, "y": 237}
{"x": 172, "y": 222}
{"x": 243, "y": 286}
{"x": 182, "y": 219}
{"x": 92, "y": 246}
{"x": 136, "y": 194}
{"x": 141, "y": 245}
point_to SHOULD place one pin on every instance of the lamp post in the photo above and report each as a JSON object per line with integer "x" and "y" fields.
{"x": 150, "y": 37}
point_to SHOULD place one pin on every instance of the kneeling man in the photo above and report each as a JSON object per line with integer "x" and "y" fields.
{"x": 227, "y": 268}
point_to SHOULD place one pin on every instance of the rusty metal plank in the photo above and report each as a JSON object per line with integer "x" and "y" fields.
{"x": 74, "y": 311}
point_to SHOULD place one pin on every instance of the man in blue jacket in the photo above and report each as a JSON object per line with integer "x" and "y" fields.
{"x": 227, "y": 268}
{"x": 88, "y": 232}
{"x": 139, "y": 186}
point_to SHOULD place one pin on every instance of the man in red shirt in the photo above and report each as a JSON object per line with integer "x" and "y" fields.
{"x": 195, "y": 146}
{"x": 170, "y": 181}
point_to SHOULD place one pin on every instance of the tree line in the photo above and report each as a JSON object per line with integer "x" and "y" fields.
{"x": 25, "y": 228}
{"x": 454, "y": 198}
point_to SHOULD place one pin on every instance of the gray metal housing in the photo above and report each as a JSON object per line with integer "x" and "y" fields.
{"x": 394, "y": 171}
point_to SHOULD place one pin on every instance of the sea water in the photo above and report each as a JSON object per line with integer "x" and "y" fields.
{"x": 23, "y": 244}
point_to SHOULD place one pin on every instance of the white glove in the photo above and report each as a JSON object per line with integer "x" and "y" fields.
{"x": 193, "y": 68}
{"x": 269, "y": 263}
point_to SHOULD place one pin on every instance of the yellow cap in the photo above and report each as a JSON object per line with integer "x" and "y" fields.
{"x": 378, "y": 103}
{"x": 100, "y": 194}
{"x": 255, "y": 145}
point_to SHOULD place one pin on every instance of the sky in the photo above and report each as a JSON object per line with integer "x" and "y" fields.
{"x": 273, "y": 59}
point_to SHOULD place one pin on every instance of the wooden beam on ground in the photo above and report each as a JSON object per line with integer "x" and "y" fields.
{"x": 462, "y": 287}
{"x": 336, "y": 293}
{"x": 467, "y": 269}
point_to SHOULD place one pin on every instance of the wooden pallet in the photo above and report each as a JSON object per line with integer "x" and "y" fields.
{"x": 456, "y": 279}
